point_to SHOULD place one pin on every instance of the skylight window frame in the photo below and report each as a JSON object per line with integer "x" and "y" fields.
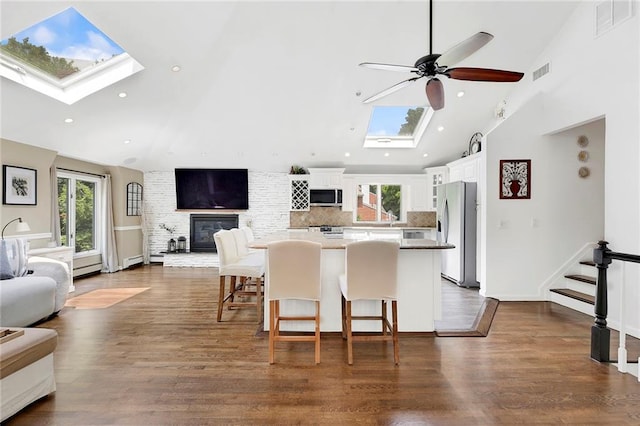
{"x": 400, "y": 141}
{"x": 78, "y": 85}
{"x": 74, "y": 87}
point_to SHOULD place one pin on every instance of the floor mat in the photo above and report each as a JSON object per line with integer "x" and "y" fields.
{"x": 103, "y": 297}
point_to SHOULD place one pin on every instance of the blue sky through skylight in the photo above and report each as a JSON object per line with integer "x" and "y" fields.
{"x": 70, "y": 35}
{"x": 386, "y": 120}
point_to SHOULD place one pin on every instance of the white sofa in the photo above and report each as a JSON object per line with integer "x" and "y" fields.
{"x": 28, "y": 298}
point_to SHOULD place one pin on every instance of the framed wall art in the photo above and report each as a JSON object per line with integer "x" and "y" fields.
{"x": 515, "y": 179}
{"x": 20, "y": 185}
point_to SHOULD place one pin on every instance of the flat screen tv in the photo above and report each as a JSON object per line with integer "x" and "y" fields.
{"x": 203, "y": 189}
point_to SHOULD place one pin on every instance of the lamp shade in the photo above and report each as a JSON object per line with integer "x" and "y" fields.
{"x": 20, "y": 227}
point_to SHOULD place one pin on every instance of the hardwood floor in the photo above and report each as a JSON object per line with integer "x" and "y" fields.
{"x": 160, "y": 358}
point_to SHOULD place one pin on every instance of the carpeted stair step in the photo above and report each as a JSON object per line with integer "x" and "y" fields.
{"x": 575, "y": 295}
{"x": 581, "y": 278}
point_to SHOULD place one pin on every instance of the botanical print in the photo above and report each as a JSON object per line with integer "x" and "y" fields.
{"x": 20, "y": 186}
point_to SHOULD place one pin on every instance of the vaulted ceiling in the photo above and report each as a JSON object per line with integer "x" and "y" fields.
{"x": 264, "y": 85}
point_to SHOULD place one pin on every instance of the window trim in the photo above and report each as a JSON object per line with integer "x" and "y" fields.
{"x": 379, "y": 183}
{"x": 98, "y": 213}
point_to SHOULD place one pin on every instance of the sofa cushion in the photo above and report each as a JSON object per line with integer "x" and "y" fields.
{"x": 6, "y": 271}
{"x": 17, "y": 255}
{"x": 26, "y": 300}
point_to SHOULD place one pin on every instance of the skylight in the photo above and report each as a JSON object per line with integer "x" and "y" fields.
{"x": 397, "y": 126}
{"x": 65, "y": 57}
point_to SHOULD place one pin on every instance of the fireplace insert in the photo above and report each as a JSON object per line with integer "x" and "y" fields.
{"x": 204, "y": 226}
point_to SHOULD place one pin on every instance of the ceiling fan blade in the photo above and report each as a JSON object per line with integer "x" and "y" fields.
{"x": 483, "y": 74}
{"x": 435, "y": 94}
{"x": 389, "y": 67}
{"x": 390, "y": 90}
{"x": 464, "y": 49}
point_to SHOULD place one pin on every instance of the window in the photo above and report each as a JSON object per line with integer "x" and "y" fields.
{"x": 397, "y": 126}
{"x": 379, "y": 203}
{"x": 65, "y": 57}
{"x": 79, "y": 205}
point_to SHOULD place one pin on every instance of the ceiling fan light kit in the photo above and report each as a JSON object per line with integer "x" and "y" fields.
{"x": 433, "y": 65}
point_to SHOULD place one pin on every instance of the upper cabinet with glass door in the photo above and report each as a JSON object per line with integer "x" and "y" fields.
{"x": 435, "y": 176}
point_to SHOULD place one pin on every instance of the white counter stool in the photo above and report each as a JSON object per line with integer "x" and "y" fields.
{"x": 371, "y": 273}
{"x": 233, "y": 266}
{"x": 293, "y": 272}
{"x": 254, "y": 257}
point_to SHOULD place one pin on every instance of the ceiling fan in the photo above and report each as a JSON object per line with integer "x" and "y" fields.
{"x": 434, "y": 64}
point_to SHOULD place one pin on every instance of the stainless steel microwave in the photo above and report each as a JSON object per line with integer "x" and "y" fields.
{"x": 325, "y": 197}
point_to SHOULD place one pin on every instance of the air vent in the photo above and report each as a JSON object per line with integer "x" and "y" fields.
{"x": 610, "y": 13}
{"x": 541, "y": 71}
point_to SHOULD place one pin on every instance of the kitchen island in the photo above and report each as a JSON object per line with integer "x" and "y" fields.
{"x": 419, "y": 302}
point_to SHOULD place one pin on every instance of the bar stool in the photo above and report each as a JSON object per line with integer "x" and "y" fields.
{"x": 233, "y": 266}
{"x": 293, "y": 272}
{"x": 254, "y": 257}
{"x": 371, "y": 273}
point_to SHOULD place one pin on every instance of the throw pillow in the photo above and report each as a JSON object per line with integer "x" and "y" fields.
{"x": 6, "y": 272}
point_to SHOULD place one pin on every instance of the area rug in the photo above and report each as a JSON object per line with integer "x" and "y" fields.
{"x": 103, "y": 297}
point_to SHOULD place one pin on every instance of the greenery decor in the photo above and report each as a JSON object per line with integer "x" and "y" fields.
{"x": 297, "y": 170}
{"x": 39, "y": 57}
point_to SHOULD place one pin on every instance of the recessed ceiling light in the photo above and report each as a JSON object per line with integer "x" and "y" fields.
{"x": 347, "y": 154}
{"x": 126, "y": 141}
{"x": 386, "y": 154}
{"x": 122, "y": 94}
{"x": 68, "y": 120}
{"x": 425, "y": 155}
{"x": 460, "y": 94}
{"x": 440, "y": 128}
{"x": 176, "y": 68}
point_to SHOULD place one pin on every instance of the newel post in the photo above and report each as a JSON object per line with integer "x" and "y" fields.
{"x": 600, "y": 334}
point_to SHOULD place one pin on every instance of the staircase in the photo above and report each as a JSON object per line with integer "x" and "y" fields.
{"x": 577, "y": 290}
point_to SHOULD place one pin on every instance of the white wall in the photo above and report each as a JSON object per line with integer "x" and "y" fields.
{"x": 528, "y": 240}
{"x": 268, "y": 207}
{"x": 590, "y": 78}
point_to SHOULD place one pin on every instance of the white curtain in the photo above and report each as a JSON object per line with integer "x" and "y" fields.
{"x": 109, "y": 248}
{"x": 55, "y": 211}
{"x": 145, "y": 235}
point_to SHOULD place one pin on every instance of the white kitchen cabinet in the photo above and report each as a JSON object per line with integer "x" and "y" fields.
{"x": 325, "y": 178}
{"x": 419, "y": 191}
{"x": 465, "y": 169}
{"x": 348, "y": 193}
{"x": 435, "y": 176}
{"x": 63, "y": 254}
{"x": 299, "y": 192}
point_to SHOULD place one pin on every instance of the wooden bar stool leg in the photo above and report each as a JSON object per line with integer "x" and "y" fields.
{"x": 383, "y": 318}
{"x": 221, "y": 296}
{"x": 344, "y": 318}
{"x": 317, "y": 342}
{"x": 232, "y": 289}
{"x": 394, "y": 314}
{"x": 349, "y": 334}
{"x": 259, "y": 299}
{"x": 272, "y": 332}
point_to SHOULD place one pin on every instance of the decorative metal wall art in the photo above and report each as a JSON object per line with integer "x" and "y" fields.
{"x": 515, "y": 179}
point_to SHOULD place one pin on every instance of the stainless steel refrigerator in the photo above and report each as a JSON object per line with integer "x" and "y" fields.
{"x": 456, "y": 225}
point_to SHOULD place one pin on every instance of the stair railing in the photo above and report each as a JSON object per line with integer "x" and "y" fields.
{"x": 600, "y": 334}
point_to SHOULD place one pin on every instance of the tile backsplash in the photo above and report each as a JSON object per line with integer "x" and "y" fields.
{"x": 334, "y": 216}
